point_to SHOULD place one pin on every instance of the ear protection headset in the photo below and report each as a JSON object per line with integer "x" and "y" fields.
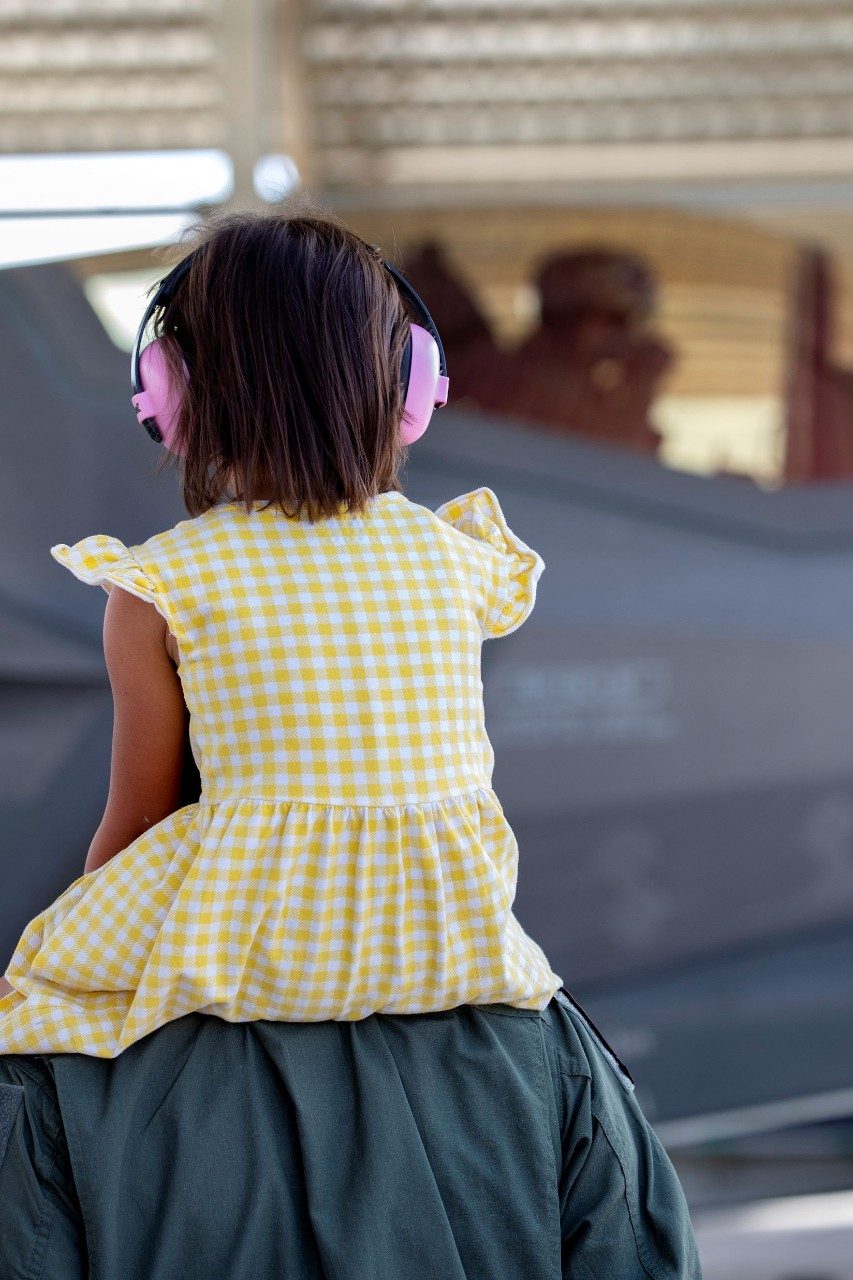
{"x": 157, "y": 400}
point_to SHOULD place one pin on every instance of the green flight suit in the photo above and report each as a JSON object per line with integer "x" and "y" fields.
{"x": 483, "y": 1143}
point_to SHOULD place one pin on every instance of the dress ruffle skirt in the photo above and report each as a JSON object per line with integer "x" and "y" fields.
{"x": 243, "y": 909}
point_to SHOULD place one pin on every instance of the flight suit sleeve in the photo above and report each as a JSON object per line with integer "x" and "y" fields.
{"x": 623, "y": 1213}
{"x": 41, "y": 1224}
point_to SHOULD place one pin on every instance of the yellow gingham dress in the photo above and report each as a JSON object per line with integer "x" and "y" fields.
{"x": 347, "y": 854}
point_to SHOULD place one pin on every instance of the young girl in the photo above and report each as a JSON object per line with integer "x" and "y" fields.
{"x": 347, "y": 854}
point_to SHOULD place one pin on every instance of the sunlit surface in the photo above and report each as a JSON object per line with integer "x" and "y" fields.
{"x": 800, "y": 1236}
{"x": 797, "y": 1213}
{"x": 114, "y": 181}
{"x": 119, "y": 300}
{"x": 740, "y": 435}
{"x": 26, "y": 241}
{"x": 115, "y": 201}
{"x": 274, "y": 177}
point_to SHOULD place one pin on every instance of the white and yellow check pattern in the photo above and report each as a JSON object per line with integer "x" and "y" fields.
{"x": 348, "y": 854}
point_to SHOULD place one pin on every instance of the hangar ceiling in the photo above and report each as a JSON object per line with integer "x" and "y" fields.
{"x": 746, "y": 104}
{"x": 512, "y": 126}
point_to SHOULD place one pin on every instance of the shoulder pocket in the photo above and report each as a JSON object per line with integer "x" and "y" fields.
{"x": 11, "y": 1097}
{"x": 565, "y": 997}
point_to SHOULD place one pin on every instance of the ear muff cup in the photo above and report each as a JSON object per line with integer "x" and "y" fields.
{"x": 158, "y": 403}
{"x": 426, "y": 387}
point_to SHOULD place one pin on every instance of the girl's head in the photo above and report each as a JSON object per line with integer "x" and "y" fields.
{"x": 293, "y": 333}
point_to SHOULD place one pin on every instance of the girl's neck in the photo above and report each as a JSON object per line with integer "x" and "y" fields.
{"x": 232, "y": 490}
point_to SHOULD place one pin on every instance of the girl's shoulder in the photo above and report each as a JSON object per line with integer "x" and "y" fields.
{"x": 479, "y": 518}
{"x": 509, "y": 569}
{"x": 102, "y": 559}
{"x": 161, "y": 570}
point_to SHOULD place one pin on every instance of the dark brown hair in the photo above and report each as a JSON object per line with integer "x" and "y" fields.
{"x": 293, "y": 333}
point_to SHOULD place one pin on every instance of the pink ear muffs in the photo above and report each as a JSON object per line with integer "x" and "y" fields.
{"x": 157, "y": 400}
{"x": 158, "y": 403}
{"x": 427, "y": 389}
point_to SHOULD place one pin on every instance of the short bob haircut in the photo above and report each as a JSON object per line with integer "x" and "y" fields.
{"x": 293, "y": 333}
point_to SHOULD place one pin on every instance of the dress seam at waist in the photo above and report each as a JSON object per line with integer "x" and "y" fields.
{"x": 313, "y": 802}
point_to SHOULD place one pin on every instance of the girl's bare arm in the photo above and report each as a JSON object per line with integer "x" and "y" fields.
{"x": 149, "y": 726}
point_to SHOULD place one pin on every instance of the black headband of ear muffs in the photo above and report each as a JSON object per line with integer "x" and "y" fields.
{"x": 168, "y": 286}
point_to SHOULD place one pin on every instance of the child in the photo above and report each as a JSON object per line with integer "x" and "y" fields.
{"x": 347, "y": 854}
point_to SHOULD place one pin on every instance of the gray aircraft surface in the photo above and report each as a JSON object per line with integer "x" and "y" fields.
{"x": 672, "y": 726}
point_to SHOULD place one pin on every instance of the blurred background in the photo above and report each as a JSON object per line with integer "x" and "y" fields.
{"x": 633, "y": 223}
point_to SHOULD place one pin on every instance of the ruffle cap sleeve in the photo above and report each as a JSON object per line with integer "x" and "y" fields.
{"x": 513, "y": 568}
{"x": 100, "y": 559}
